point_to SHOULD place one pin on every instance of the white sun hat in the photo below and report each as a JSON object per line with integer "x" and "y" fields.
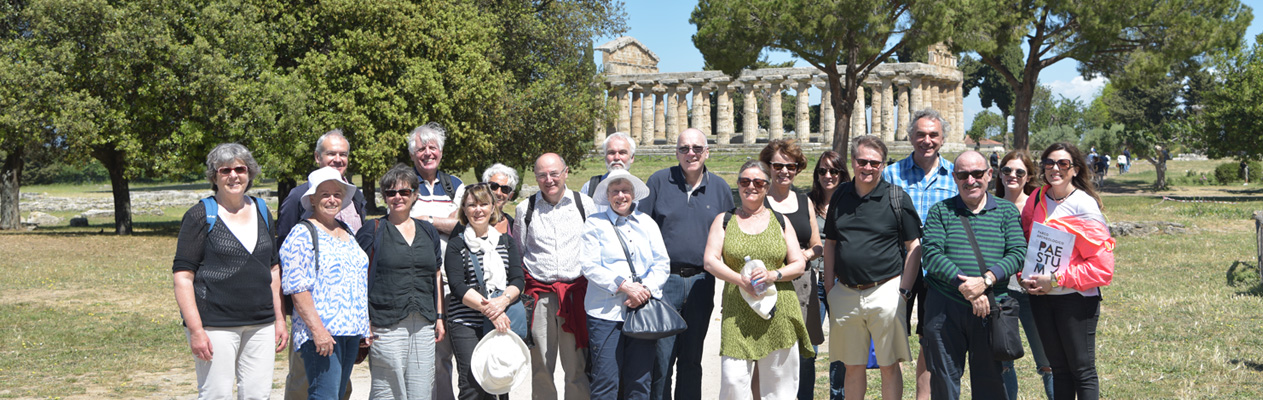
{"x": 500, "y": 362}
{"x": 639, "y": 190}
{"x": 762, "y": 305}
{"x": 323, "y": 175}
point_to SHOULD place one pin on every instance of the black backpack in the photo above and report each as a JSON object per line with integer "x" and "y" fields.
{"x": 530, "y": 210}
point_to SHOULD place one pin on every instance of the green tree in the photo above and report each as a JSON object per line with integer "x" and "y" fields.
{"x": 1152, "y": 117}
{"x": 1229, "y": 124}
{"x": 1121, "y": 39}
{"x": 855, "y": 35}
{"x": 993, "y": 89}
{"x": 987, "y": 125}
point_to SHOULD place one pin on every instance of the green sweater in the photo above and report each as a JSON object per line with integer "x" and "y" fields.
{"x": 947, "y": 252}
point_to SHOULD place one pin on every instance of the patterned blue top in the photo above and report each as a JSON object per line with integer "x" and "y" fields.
{"x": 925, "y": 190}
{"x": 341, "y": 290}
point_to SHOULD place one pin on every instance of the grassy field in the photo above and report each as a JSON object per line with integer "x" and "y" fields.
{"x": 85, "y": 314}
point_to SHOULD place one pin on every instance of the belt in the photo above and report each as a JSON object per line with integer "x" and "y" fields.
{"x": 865, "y": 286}
{"x": 686, "y": 272}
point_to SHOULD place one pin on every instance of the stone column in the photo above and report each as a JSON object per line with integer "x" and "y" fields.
{"x": 696, "y": 119}
{"x": 672, "y": 111}
{"x": 622, "y": 105}
{"x": 887, "y": 106}
{"x": 802, "y": 110}
{"x": 682, "y": 107}
{"x": 646, "y": 112}
{"x": 901, "y": 130}
{"x": 859, "y": 126}
{"x": 724, "y": 108}
{"x": 958, "y": 108}
{"x": 637, "y": 121}
{"x": 775, "y": 112}
{"x": 827, "y": 119}
{"x": 705, "y": 126}
{"x": 599, "y": 125}
{"x": 750, "y": 111}
{"x": 915, "y": 99}
{"x": 874, "y": 87}
{"x": 659, "y": 115}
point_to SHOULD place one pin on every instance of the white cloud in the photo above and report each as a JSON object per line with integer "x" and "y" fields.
{"x": 1084, "y": 90}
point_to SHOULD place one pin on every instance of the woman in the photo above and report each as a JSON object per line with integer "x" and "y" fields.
{"x": 614, "y": 286}
{"x": 1015, "y": 186}
{"x": 829, "y": 174}
{"x": 325, "y": 272}
{"x": 485, "y": 275}
{"x": 404, "y": 298}
{"x": 227, "y": 281}
{"x": 786, "y": 159}
{"x": 502, "y": 180}
{"x": 1067, "y": 303}
{"x": 748, "y": 341}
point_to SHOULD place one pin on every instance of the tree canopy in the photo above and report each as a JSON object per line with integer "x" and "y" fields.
{"x": 1230, "y": 124}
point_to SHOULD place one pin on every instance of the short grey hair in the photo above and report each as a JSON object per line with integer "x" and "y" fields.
{"x": 932, "y": 114}
{"x": 605, "y": 146}
{"x": 225, "y": 154}
{"x": 431, "y": 132}
{"x": 500, "y": 169}
{"x": 762, "y": 166}
{"x": 320, "y": 143}
{"x": 398, "y": 173}
{"x": 869, "y": 141}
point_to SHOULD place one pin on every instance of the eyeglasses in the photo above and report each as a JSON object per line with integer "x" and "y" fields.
{"x": 1063, "y": 163}
{"x": 506, "y": 189}
{"x": 336, "y": 154}
{"x": 746, "y": 182}
{"x": 240, "y": 170}
{"x": 1015, "y": 171}
{"x": 831, "y": 171}
{"x": 791, "y": 167}
{"x": 963, "y": 175}
{"x": 695, "y": 149}
{"x": 554, "y": 174}
{"x": 388, "y": 193}
{"x": 872, "y": 163}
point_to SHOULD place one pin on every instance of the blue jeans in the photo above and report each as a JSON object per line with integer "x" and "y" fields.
{"x": 1037, "y": 349}
{"x": 328, "y": 377}
{"x": 694, "y": 298}
{"x": 617, "y": 358}
{"x": 837, "y": 370}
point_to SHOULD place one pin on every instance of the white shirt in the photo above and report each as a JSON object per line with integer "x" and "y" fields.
{"x": 549, "y": 246}
{"x": 605, "y": 265}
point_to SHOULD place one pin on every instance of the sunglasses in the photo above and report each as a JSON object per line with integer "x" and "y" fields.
{"x": 388, "y": 193}
{"x": 872, "y": 163}
{"x": 791, "y": 167}
{"x": 1048, "y": 163}
{"x": 695, "y": 149}
{"x": 977, "y": 174}
{"x": 1015, "y": 171}
{"x": 506, "y": 189}
{"x": 746, "y": 182}
{"x": 830, "y": 171}
{"x": 240, "y": 170}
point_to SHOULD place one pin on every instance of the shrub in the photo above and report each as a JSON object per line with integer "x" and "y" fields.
{"x": 1231, "y": 172}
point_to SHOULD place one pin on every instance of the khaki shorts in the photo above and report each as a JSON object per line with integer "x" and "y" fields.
{"x": 876, "y": 314}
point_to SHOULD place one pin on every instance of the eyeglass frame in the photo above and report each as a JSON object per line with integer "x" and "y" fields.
{"x": 1018, "y": 172}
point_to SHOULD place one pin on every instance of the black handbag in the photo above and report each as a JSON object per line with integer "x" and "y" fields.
{"x": 1006, "y": 344}
{"x": 653, "y": 320}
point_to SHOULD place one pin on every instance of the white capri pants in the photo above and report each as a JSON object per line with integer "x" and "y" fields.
{"x": 244, "y": 353}
{"x": 778, "y": 376}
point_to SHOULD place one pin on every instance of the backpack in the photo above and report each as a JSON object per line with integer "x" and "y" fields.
{"x": 212, "y": 212}
{"x": 896, "y": 204}
{"x": 780, "y": 218}
{"x": 530, "y": 210}
{"x": 446, "y": 180}
{"x": 592, "y": 184}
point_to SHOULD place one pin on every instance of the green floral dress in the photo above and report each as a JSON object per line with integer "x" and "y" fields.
{"x": 743, "y": 333}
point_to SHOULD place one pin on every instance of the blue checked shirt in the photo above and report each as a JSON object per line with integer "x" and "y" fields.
{"x": 925, "y": 190}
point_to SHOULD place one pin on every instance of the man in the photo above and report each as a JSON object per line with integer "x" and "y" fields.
{"x": 926, "y": 177}
{"x": 438, "y": 198}
{"x": 549, "y": 225}
{"x": 332, "y": 150}
{"x": 684, "y": 200}
{"x": 958, "y": 305}
{"x": 620, "y": 151}
{"x": 863, "y": 264}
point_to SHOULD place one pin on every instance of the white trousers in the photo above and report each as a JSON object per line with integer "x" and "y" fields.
{"x": 778, "y": 376}
{"x": 245, "y": 354}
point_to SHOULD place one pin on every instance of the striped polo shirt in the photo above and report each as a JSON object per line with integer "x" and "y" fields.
{"x": 948, "y": 253}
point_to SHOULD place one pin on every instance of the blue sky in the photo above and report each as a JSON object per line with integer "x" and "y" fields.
{"x": 663, "y": 26}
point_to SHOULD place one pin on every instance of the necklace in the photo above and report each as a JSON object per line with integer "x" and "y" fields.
{"x": 749, "y": 214}
{"x": 1050, "y": 196}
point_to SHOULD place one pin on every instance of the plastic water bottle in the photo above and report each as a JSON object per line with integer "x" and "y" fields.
{"x": 761, "y": 286}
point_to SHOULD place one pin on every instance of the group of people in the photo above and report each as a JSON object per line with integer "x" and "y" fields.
{"x": 447, "y": 285}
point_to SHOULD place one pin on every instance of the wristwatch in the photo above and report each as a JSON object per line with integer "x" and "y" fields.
{"x": 986, "y": 280}
{"x": 779, "y": 275}
{"x": 907, "y": 294}
{"x": 1052, "y": 280}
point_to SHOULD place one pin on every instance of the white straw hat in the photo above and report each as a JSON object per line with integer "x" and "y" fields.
{"x": 323, "y": 175}
{"x": 639, "y": 190}
{"x": 500, "y": 362}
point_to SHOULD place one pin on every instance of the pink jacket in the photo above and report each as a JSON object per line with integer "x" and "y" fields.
{"x": 1092, "y": 262}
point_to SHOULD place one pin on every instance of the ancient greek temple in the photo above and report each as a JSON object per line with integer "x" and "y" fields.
{"x": 655, "y": 107}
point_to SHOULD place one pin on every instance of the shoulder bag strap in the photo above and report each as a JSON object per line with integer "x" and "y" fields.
{"x": 578, "y": 202}
{"x": 626, "y": 252}
{"x": 592, "y": 184}
{"x": 372, "y": 256}
{"x": 446, "y": 180}
{"x": 315, "y": 243}
{"x": 212, "y": 212}
{"x": 482, "y": 282}
{"x": 969, "y": 231}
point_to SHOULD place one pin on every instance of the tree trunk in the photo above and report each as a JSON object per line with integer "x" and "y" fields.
{"x": 1160, "y": 167}
{"x": 115, "y": 162}
{"x": 1022, "y": 114}
{"x": 843, "y": 104}
{"x": 283, "y": 187}
{"x": 10, "y": 182}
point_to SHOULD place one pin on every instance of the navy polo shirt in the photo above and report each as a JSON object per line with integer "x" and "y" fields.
{"x": 867, "y": 233}
{"x": 685, "y": 217}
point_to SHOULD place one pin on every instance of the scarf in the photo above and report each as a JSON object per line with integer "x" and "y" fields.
{"x": 492, "y": 265}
